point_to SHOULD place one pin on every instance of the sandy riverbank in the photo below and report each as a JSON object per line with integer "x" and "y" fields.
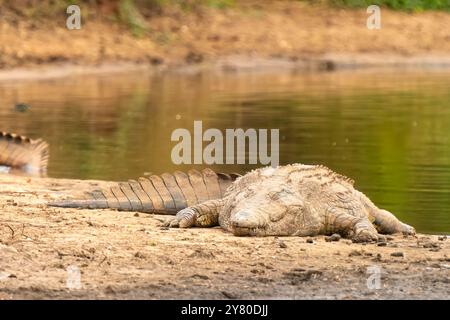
{"x": 246, "y": 36}
{"x": 128, "y": 255}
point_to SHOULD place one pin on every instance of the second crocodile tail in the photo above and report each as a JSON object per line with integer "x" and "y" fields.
{"x": 19, "y": 153}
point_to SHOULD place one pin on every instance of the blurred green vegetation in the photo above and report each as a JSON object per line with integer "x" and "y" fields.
{"x": 129, "y": 14}
{"x": 135, "y": 14}
{"x": 410, "y": 5}
{"x": 129, "y": 10}
{"x": 132, "y": 13}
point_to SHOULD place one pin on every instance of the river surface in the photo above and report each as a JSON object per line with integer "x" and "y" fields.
{"x": 390, "y": 132}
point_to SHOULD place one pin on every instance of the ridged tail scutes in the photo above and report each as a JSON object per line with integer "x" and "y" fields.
{"x": 22, "y": 154}
{"x": 80, "y": 204}
{"x": 165, "y": 194}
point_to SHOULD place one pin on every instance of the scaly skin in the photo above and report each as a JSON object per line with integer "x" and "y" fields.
{"x": 22, "y": 155}
{"x": 293, "y": 200}
{"x": 165, "y": 194}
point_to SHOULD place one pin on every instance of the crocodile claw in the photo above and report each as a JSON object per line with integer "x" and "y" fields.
{"x": 171, "y": 222}
{"x": 408, "y": 230}
{"x": 365, "y": 236}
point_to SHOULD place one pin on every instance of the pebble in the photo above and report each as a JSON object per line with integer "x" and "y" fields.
{"x": 333, "y": 237}
{"x": 431, "y": 245}
{"x": 309, "y": 240}
{"x": 229, "y": 295}
{"x": 377, "y": 258}
{"x": 382, "y": 244}
{"x": 139, "y": 255}
{"x": 354, "y": 253}
{"x": 282, "y": 244}
{"x": 11, "y": 202}
{"x": 397, "y": 254}
{"x": 21, "y": 107}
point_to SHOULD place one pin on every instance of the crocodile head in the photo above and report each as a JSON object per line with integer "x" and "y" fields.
{"x": 264, "y": 211}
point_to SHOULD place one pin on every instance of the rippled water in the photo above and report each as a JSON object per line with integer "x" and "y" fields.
{"x": 389, "y": 131}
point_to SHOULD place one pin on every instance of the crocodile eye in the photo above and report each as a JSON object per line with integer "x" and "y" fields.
{"x": 297, "y": 206}
{"x": 274, "y": 195}
{"x": 277, "y": 195}
{"x": 250, "y": 192}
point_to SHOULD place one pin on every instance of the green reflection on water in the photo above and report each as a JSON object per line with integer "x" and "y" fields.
{"x": 389, "y": 132}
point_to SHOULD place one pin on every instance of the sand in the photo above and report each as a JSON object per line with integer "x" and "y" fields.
{"x": 126, "y": 255}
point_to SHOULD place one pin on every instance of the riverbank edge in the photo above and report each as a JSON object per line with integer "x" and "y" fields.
{"x": 230, "y": 64}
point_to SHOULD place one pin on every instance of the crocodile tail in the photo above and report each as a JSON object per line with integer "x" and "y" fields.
{"x": 165, "y": 194}
{"x": 24, "y": 154}
{"x": 87, "y": 204}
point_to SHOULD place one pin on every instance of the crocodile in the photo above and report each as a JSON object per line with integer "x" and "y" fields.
{"x": 22, "y": 155}
{"x": 165, "y": 194}
{"x": 291, "y": 200}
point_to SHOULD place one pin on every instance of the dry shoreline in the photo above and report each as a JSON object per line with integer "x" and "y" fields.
{"x": 282, "y": 35}
{"x": 126, "y": 256}
{"x": 237, "y": 64}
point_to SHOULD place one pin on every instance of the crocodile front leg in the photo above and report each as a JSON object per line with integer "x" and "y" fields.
{"x": 358, "y": 228}
{"x": 204, "y": 215}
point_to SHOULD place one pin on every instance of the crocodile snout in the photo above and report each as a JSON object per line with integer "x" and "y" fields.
{"x": 244, "y": 219}
{"x": 245, "y": 223}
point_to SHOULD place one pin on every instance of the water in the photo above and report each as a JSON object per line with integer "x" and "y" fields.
{"x": 388, "y": 131}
